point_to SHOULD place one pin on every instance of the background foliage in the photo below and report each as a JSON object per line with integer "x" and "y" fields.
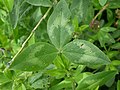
{"x": 75, "y": 47}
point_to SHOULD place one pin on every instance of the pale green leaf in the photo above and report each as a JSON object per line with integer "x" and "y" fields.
{"x": 102, "y": 2}
{"x": 95, "y": 80}
{"x": 45, "y": 3}
{"x": 58, "y": 27}
{"x": 79, "y": 8}
{"x": 40, "y": 83}
{"x": 14, "y": 15}
{"x": 32, "y": 40}
{"x": 108, "y": 29}
{"x": 34, "y": 77}
{"x": 62, "y": 84}
{"x": 37, "y": 15}
{"x": 35, "y": 57}
{"x": 84, "y": 52}
{"x": 9, "y": 4}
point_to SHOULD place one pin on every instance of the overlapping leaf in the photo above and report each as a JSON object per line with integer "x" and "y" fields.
{"x": 58, "y": 27}
{"x": 45, "y": 3}
{"x": 36, "y": 57}
{"x": 84, "y": 52}
{"x": 92, "y": 81}
{"x": 79, "y": 8}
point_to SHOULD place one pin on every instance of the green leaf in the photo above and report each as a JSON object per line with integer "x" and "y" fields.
{"x": 116, "y": 46}
{"x": 110, "y": 82}
{"x": 109, "y": 15}
{"x": 35, "y": 57}
{"x": 45, "y": 3}
{"x": 18, "y": 86}
{"x": 9, "y": 4}
{"x": 14, "y": 15}
{"x": 118, "y": 85}
{"x": 112, "y": 54}
{"x": 83, "y": 27}
{"x": 115, "y": 62}
{"x": 105, "y": 37}
{"x": 6, "y": 86}
{"x": 79, "y": 76}
{"x": 62, "y": 84}
{"x": 37, "y": 15}
{"x": 57, "y": 73}
{"x": 84, "y": 52}
{"x": 34, "y": 77}
{"x": 58, "y": 27}
{"x": 79, "y": 8}
{"x": 114, "y": 4}
{"x": 93, "y": 81}
{"x": 96, "y": 4}
{"x": 32, "y": 40}
{"x": 40, "y": 83}
{"x": 3, "y": 79}
{"x": 108, "y": 29}
{"x": 9, "y": 74}
{"x": 102, "y": 2}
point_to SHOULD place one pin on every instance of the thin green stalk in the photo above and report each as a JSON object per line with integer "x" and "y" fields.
{"x": 73, "y": 85}
{"x": 28, "y": 38}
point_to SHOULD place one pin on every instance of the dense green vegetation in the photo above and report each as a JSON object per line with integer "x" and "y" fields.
{"x": 59, "y": 44}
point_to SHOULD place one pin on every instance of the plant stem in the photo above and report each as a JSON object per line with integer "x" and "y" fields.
{"x": 73, "y": 85}
{"x": 99, "y": 13}
{"x": 28, "y": 38}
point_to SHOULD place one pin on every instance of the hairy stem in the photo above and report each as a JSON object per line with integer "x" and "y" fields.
{"x": 28, "y": 38}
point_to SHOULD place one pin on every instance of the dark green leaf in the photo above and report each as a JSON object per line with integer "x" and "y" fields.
{"x": 109, "y": 15}
{"x": 35, "y": 57}
{"x": 58, "y": 27}
{"x": 93, "y": 81}
{"x": 114, "y": 4}
{"x": 84, "y": 52}
{"x": 45, "y": 3}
